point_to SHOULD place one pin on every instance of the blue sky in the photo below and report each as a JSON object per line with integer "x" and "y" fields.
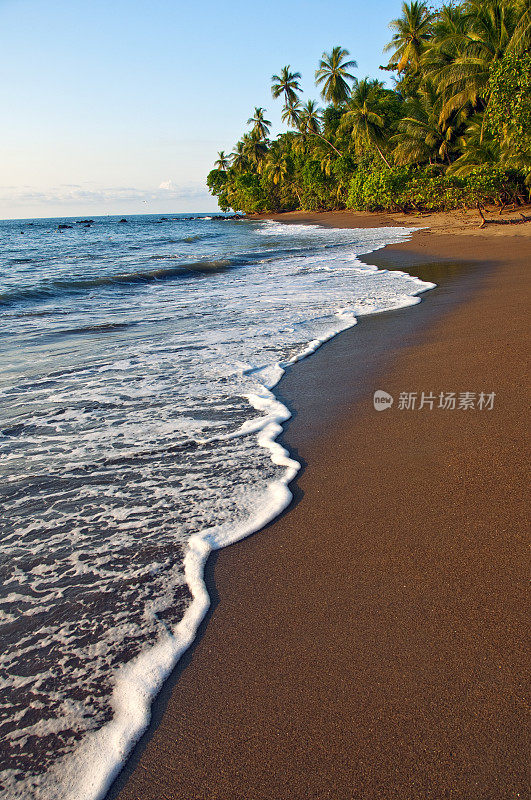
{"x": 120, "y": 107}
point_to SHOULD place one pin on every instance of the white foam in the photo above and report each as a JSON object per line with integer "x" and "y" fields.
{"x": 89, "y": 772}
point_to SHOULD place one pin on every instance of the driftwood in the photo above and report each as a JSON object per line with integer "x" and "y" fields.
{"x": 501, "y": 221}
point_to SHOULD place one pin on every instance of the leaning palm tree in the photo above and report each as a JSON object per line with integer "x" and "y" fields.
{"x": 364, "y": 116}
{"x": 291, "y": 114}
{"x": 310, "y": 123}
{"x": 310, "y": 118}
{"x": 334, "y": 77}
{"x": 287, "y": 84}
{"x": 223, "y": 161}
{"x": 260, "y": 124}
{"x": 413, "y": 30}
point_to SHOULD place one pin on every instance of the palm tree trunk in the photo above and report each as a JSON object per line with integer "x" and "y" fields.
{"x": 382, "y": 155}
{"x": 313, "y": 133}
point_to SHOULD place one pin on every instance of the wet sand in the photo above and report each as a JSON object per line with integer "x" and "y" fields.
{"x": 370, "y": 643}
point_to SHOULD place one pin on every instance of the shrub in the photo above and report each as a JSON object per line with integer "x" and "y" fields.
{"x": 431, "y": 189}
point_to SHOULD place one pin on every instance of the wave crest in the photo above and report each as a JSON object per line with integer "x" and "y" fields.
{"x": 55, "y": 288}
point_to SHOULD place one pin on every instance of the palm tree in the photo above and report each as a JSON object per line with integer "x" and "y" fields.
{"x": 260, "y": 125}
{"x": 287, "y": 83}
{"x": 310, "y": 118}
{"x": 327, "y": 163}
{"x": 477, "y": 148}
{"x": 333, "y": 75}
{"x": 521, "y": 38}
{"x": 450, "y": 34}
{"x": 239, "y": 160}
{"x": 310, "y": 122}
{"x": 276, "y": 166}
{"x": 463, "y": 77}
{"x": 255, "y": 149}
{"x": 412, "y": 33}
{"x": 422, "y": 137}
{"x": 365, "y": 116}
{"x": 223, "y": 161}
{"x": 291, "y": 114}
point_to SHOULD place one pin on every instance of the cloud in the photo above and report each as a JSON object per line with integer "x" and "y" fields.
{"x": 68, "y": 194}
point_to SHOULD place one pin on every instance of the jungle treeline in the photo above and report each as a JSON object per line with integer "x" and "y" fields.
{"x": 454, "y": 131}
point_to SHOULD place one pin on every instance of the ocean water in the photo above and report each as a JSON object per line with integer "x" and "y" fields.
{"x": 137, "y": 432}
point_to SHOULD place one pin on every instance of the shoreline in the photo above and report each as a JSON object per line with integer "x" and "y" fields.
{"x": 307, "y": 435}
{"x": 462, "y": 222}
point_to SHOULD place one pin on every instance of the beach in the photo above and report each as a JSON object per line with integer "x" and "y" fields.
{"x": 370, "y": 642}
{"x": 263, "y": 393}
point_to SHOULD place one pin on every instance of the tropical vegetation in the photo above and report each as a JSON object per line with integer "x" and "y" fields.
{"x": 453, "y": 131}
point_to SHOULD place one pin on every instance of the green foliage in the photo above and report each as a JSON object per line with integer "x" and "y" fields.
{"x": 378, "y": 190}
{"x": 430, "y": 189}
{"x": 241, "y": 192}
{"x": 331, "y": 120}
{"x": 455, "y": 130}
{"x": 315, "y": 186}
{"x": 216, "y": 182}
{"x": 508, "y": 117}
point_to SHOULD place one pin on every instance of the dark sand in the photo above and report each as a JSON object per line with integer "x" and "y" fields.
{"x": 370, "y": 643}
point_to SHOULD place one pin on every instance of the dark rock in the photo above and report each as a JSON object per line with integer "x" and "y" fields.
{"x": 122, "y": 220}
{"x": 204, "y": 216}
{"x": 62, "y": 227}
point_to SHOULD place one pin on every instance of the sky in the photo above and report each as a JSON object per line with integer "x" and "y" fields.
{"x": 120, "y": 106}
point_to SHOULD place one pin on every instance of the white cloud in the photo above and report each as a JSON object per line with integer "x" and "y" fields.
{"x": 90, "y": 199}
{"x": 68, "y": 194}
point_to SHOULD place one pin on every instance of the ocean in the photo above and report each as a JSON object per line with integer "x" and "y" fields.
{"x": 138, "y": 426}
